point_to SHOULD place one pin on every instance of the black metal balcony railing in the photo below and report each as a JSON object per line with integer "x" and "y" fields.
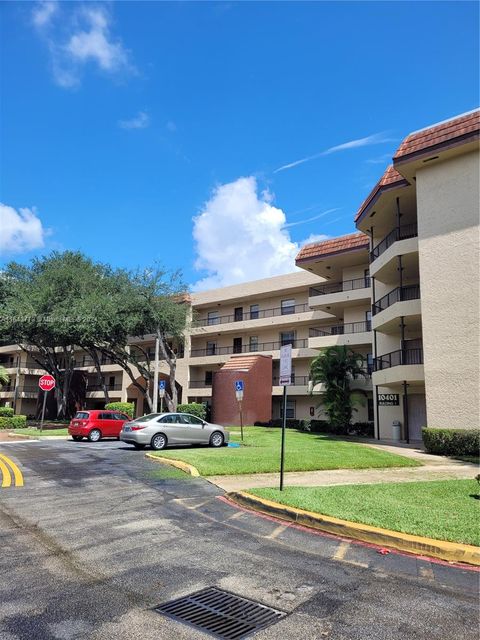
{"x": 8, "y": 362}
{"x": 251, "y": 315}
{"x": 336, "y": 287}
{"x": 400, "y": 294}
{"x": 298, "y": 381}
{"x": 247, "y": 348}
{"x": 340, "y": 329}
{"x": 99, "y": 387}
{"x": 88, "y": 361}
{"x": 199, "y": 384}
{"x": 397, "y": 358}
{"x": 399, "y": 233}
{"x": 28, "y": 389}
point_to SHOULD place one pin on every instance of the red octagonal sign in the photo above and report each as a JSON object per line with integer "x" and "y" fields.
{"x": 46, "y": 383}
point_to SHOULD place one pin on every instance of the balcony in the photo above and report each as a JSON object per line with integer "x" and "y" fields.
{"x": 247, "y": 348}
{"x": 342, "y": 294}
{"x": 98, "y": 387}
{"x": 400, "y": 294}
{"x": 251, "y": 315}
{"x": 199, "y": 384}
{"x": 398, "y": 233}
{"x": 397, "y": 366}
{"x": 297, "y": 381}
{"x": 22, "y": 391}
{"x": 349, "y": 333}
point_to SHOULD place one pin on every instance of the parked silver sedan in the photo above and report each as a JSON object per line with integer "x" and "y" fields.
{"x": 162, "y": 429}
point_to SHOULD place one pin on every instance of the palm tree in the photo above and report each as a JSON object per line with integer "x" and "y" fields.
{"x": 335, "y": 367}
{"x": 4, "y": 377}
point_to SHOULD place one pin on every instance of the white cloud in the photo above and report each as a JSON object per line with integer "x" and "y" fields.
{"x": 20, "y": 230}
{"x": 376, "y": 138}
{"x": 140, "y": 121}
{"x": 314, "y": 238}
{"x": 43, "y": 13}
{"x": 241, "y": 236}
{"x": 77, "y": 37}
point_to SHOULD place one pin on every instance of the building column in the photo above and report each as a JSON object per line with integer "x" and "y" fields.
{"x": 405, "y": 411}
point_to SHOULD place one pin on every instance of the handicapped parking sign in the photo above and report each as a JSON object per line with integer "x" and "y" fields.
{"x": 238, "y": 385}
{"x": 161, "y": 384}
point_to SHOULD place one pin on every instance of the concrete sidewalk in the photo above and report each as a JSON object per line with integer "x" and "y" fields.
{"x": 434, "y": 468}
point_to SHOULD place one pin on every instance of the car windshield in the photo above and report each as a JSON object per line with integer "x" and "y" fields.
{"x": 81, "y": 415}
{"x": 150, "y": 416}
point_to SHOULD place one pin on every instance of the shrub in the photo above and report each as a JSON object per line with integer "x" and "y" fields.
{"x": 194, "y": 409}
{"x": 452, "y": 442}
{"x": 365, "y": 429}
{"x": 123, "y": 407}
{"x": 13, "y": 422}
{"x": 6, "y": 412}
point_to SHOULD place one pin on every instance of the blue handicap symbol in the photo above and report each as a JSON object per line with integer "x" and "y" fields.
{"x": 239, "y": 385}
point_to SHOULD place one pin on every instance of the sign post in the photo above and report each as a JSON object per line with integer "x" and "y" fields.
{"x": 285, "y": 380}
{"x": 46, "y": 384}
{"x": 161, "y": 392}
{"x": 239, "y": 388}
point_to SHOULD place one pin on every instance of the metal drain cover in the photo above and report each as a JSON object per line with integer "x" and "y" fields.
{"x": 220, "y": 613}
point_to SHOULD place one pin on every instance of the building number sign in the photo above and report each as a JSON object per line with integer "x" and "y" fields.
{"x": 388, "y": 400}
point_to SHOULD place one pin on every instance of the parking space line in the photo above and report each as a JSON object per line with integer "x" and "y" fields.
{"x": 277, "y": 531}
{"x": 342, "y": 549}
{"x": 7, "y": 477}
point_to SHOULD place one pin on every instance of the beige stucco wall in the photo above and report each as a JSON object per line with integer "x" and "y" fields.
{"x": 448, "y": 218}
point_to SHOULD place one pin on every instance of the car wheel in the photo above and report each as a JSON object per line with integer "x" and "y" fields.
{"x": 94, "y": 435}
{"x": 216, "y": 439}
{"x": 77, "y": 438}
{"x": 137, "y": 445}
{"x": 159, "y": 441}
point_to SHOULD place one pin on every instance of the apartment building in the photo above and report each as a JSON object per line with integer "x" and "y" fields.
{"x": 403, "y": 291}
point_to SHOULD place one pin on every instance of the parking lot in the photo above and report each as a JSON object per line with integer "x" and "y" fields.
{"x": 98, "y": 536}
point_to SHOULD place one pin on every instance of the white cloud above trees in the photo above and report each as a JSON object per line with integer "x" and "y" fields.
{"x": 20, "y": 230}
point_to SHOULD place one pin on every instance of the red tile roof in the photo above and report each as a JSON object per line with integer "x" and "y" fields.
{"x": 351, "y": 242}
{"x": 390, "y": 179}
{"x": 446, "y": 133}
{"x": 242, "y": 363}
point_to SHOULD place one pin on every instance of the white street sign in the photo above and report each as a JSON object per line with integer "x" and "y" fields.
{"x": 286, "y": 365}
{"x": 239, "y": 395}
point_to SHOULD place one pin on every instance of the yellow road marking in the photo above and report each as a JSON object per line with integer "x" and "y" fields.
{"x": 6, "y": 477}
{"x": 17, "y": 474}
{"x": 341, "y": 551}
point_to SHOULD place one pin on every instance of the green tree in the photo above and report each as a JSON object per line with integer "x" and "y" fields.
{"x": 335, "y": 368}
{"x": 4, "y": 377}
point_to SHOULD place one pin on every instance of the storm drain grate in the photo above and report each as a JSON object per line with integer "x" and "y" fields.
{"x": 221, "y": 613}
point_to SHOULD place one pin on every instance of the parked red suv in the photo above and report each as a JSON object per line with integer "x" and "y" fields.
{"x": 96, "y": 424}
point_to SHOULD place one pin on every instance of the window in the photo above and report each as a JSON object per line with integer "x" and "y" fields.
{"x": 238, "y": 314}
{"x": 208, "y": 377}
{"x": 237, "y": 345}
{"x": 368, "y": 320}
{"x": 105, "y": 416}
{"x": 188, "y": 419}
{"x": 82, "y": 415}
{"x": 254, "y": 311}
{"x": 369, "y": 362}
{"x": 211, "y": 348}
{"x": 371, "y": 416}
{"x": 111, "y": 381}
{"x": 169, "y": 419}
{"x": 253, "y": 343}
{"x": 287, "y": 337}
{"x": 213, "y": 317}
{"x": 288, "y": 306}
{"x": 291, "y": 409}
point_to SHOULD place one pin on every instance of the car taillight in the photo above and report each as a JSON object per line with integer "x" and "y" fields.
{"x": 137, "y": 427}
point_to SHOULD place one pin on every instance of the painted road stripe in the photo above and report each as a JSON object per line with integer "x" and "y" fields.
{"x": 341, "y": 551}
{"x": 7, "y": 478}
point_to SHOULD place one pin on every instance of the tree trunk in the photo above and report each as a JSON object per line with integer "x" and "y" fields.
{"x": 171, "y": 360}
{"x": 93, "y": 353}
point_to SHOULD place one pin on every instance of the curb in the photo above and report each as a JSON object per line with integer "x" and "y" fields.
{"x": 448, "y": 551}
{"x": 179, "y": 464}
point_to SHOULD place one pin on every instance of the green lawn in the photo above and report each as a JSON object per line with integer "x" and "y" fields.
{"x": 260, "y": 453}
{"x": 37, "y": 432}
{"x": 443, "y": 509}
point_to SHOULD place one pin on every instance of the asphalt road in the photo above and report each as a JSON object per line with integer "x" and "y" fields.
{"x": 99, "y": 536}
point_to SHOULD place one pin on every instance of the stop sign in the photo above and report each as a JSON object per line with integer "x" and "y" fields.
{"x": 46, "y": 383}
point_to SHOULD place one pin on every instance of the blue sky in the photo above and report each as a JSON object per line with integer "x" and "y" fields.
{"x": 165, "y": 131}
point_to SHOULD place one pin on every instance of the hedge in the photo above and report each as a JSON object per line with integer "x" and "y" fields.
{"x": 6, "y": 412}
{"x": 13, "y": 422}
{"x": 123, "y": 407}
{"x": 194, "y": 409}
{"x": 452, "y": 442}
